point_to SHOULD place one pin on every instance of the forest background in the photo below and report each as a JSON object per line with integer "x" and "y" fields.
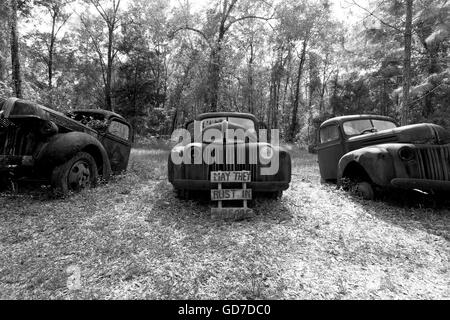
{"x": 292, "y": 63}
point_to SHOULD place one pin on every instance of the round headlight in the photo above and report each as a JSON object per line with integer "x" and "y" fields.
{"x": 406, "y": 153}
{"x": 266, "y": 153}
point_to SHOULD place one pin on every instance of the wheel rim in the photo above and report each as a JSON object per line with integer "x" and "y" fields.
{"x": 79, "y": 175}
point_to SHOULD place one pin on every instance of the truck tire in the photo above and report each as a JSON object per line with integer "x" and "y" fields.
{"x": 184, "y": 194}
{"x": 276, "y": 195}
{"x": 79, "y": 173}
{"x": 365, "y": 190}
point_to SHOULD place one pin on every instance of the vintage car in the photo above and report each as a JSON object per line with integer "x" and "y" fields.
{"x": 70, "y": 151}
{"x": 196, "y": 176}
{"x": 372, "y": 152}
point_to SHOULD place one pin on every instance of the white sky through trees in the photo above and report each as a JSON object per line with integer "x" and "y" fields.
{"x": 343, "y": 10}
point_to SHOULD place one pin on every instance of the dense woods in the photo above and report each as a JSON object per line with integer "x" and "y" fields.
{"x": 292, "y": 63}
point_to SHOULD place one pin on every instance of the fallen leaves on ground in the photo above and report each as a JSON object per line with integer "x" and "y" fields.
{"x": 133, "y": 239}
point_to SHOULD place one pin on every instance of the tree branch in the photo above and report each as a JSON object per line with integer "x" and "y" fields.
{"x": 100, "y": 10}
{"x": 62, "y": 24}
{"x": 96, "y": 47}
{"x": 195, "y": 30}
{"x": 244, "y": 18}
{"x": 376, "y": 17}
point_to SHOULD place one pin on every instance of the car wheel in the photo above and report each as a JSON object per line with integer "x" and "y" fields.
{"x": 277, "y": 194}
{"x": 77, "y": 174}
{"x": 183, "y": 194}
{"x": 4, "y": 183}
{"x": 365, "y": 190}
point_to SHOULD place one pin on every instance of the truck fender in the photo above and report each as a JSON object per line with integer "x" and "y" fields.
{"x": 375, "y": 162}
{"x": 62, "y": 147}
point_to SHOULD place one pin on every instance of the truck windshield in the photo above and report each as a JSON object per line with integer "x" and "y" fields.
{"x": 244, "y": 123}
{"x": 362, "y": 126}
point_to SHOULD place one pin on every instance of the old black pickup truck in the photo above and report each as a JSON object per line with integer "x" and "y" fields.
{"x": 373, "y": 152}
{"x": 70, "y": 151}
{"x": 223, "y": 154}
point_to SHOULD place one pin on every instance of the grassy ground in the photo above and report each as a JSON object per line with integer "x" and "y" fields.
{"x": 132, "y": 238}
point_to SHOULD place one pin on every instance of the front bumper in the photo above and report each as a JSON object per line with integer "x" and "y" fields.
{"x": 256, "y": 186}
{"x": 421, "y": 184}
{"x": 8, "y": 162}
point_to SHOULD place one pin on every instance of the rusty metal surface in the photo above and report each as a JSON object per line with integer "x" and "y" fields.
{"x": 49, "y": 138}
{"x": 6, "y": 161}
{"x": 421, "y": 184}
{"x": 433, "y": 162}
{"x": 376, "y": 155}
{"x": 197, "y": 176}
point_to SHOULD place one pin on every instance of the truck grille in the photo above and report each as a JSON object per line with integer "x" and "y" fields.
{"x": 12, "y": 139}
{"x": 203, "y": 171}
{"x": 434, "y": 162}
{"x": 237, "y": 165}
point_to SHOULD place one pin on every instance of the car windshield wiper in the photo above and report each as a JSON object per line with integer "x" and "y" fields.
{"x": 368, "y": 130}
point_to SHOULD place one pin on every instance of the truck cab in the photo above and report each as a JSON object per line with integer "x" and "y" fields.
{"x": 373, "y": 152}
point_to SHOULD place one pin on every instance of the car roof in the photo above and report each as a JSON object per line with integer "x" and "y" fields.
{"x": 226, "y": 114}
{"x": 342, "y": 119}
{"x": 106, "y": 113}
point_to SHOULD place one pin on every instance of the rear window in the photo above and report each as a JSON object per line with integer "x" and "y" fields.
{"x": 119, "y": 129}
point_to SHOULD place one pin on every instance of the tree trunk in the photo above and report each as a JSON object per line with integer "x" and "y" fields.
{"x": 214, "y": 79}
{"x": 335, "y": 89}
{"x": 14, "y": 40}
{"x": 109, "y": 67}
{"x": 407, "y": 63}
{"x": 294, "y": 121}
{"x": 50, "y": 52}
{"x": 215, "y": 68}
{"x": 324, "y": 86}
{"x": 284, "y": 113}
{"x": 250, "y": 79}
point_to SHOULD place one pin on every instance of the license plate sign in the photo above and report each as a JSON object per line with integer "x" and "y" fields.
{"x": 231, "y": 194}
{"x": 230, "y": 176}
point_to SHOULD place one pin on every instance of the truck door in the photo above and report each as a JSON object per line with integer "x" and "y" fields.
{"x": 117, "y": 141}
{"x": 330, "y": 151}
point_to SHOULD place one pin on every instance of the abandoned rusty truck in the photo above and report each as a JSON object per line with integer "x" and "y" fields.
{"x": 231, "y": 148}
{"x": 69, "y": 151}
{"x": 368, "y": 153}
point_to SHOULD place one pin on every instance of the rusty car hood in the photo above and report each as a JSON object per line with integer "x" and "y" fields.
{"x": 23, "y": 109}
{"x": 424, "y": 133}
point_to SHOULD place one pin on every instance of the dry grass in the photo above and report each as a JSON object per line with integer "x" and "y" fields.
{"x": 131, "y": 238}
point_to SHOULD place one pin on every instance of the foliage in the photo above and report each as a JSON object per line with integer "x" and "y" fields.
{"x": 287, "y": 62}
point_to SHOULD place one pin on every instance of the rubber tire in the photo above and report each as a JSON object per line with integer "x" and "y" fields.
{"x": 276, "y": 195}
{"x": 271, "y": 195}
{"x": 4, "y": 183}
{"x": 365, "y": 190}
{"x": 183, "y": 194}
{"x": 60, "y": 174}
